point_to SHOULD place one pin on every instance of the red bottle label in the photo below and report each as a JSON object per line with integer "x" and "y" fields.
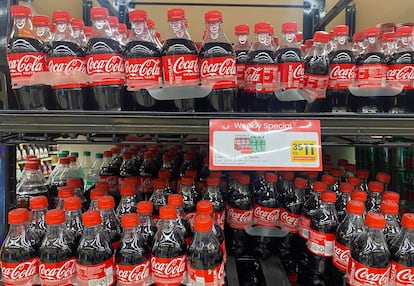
{"x": 316, "y": 84}
{"x": 219, "y": 72}
{"x": 210, "y": 277}
{"x": 62, "y": 272}
{"x": 289, "y": 221}
{"x": 320, "y": 243}
{"x": 100, "y": 274}
{"x": 168, "y": 270}
{"x": 136, "y": 274}
{"x": 239, "y": 219}
{"x": 266, "y": 217}
{"x": 372, "y": 75}
{"x": 340, "y": 256}
{"x": 240, "y": 68}
{"x": 22, "y": 272}
{"x": 143, "y": 73}
{"x": 73, "y": 67}
{"x": 180, "y": 70}
{"x": 401, "y": 75}
{"x": 342, "y": 76}
{"x": 304, "y": 226}
{"x": 220, "y": 217}
{"x": 23, "y": 65}
{"x": 361, "y": 275}
{"x": 105, "y": 69}
{"x": 401, "y": 275}
{"x": 260, "y": 78}
{"x": 291, "y": 75}
{"x": 112, "y": 182}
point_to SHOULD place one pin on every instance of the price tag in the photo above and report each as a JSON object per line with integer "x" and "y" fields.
{"x": 265, "y": 145}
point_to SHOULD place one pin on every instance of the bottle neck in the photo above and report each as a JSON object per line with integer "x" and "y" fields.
{"x": 389, "y": 48}
{"x": 101, "y": 29}
{"x": 140, "y": 32}
{"x": 242, "y": 42}
{"x": 317, "y": 50}
{"x": 404, "y": 44}
{"x": 38, "y": 215}
{"x": 356, "y": 218}
{"x": 55, "y": 230}
{"x": 371, "y": 45}
{"x": 212, "y": 189}
{"x": 377, "y": 235}
{"x": 178, "y": 30}
{"x": 146, "y": 219}
{"x": 22, "y": 28}
{"x": 63, "y": 32}
{"x": 18, "y": 230}
{"x": 129, "y": 233}
{"x": 73, "y": 215}
{"x": 92, "y": 231}
{"x": 43, "y": 33}
{"x": 203, "y": 235}
{"x": 214, "y": 33}
{"x": 330, "y": 207}
{"x": 263, "y": 42}
{"x": 168, "y": 225}
{"x": 289, "y": 40}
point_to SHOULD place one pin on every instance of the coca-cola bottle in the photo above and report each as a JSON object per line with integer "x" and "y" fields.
{"x": 205, "y": 256}
{"x": 214, "y": 195}
{"x": 74, "y": 226}
{"x": 109, "y": 173}
{"x": 266, "y": 214}
{"x": 363, "y": 175}
{"x": 370, "y": 258}
{"x": 360, "y": 196}
{"x": 64, "y": 193}
{"x": 191, "y": 196}
{"x": 37, "y": 225}
{"x": 356, "y": 184}
{"x": 147, "y": 173}
{"x": 241, "y": 48}
{"x": 176, "y": 200}
{"x": 179, "y": 58}
{"x": 261, "y": 72}
{"x": 168, "y": 260}
{"x": 18, "y": 256}
{"x": 371, "y": 72}
{"x": 142, "y": 62}
{"x": 158, "y": 197}
{"x": 66, "y": 59}
{"x": 57, "y": 254}
{"x": 374, "y": 199}
{"x": 95, "y": 194}
{"x": 147, "y": 226}
{"x": 104, "y": 63}
{"x": 41, "y": 27}
{"x": 76, "y": 184}
{"x": 402, "y": 252}
{"x": 110, "y": 221}
{"x": 77, "y": 27}
{"x": 391, "y": 196}
{"x": 342, "y": 72}
{"x": 345, "y": 190}
{"x": 133, "y": 255}
{"x": 350, "y": 171}
{"x": 153, "y": 32}
{"x": 316, "y": 77}
{"x": 392, "y": 224}
{"x": 165, "y": 175}
{"x": 129, "y": 168}
{"x": 385, "y": 179}
{"x": 217, "y": 67}
{"x": 348, "y": 229}
{"x": 95, "y": 253}
{"x": 338, "y": 174}
{"x": 329, "y": 181}
{"x": 128, "y": 202}
{"x": 26, "y": 57}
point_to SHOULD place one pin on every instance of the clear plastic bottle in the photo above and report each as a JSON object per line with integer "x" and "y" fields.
{"x": 374, "y": 199}
{"x": 385, "y": 179}
{"x": 214, "y": 195}
{"x": 147, "y": 226}
{"x": 92, "y": 176}
{"x": 76, "y": 184}
{"x": 345, "y": 190}
{"x": 191, "y": 196}
{"x": 74, "y": 226}
{"x": 147, "y": 173}
{"x": 363, "y": 175}
{"x": 158, "y": 197}
{"x": 95, "y": 195}
{"x": 392, "y": 223}
{"x": 153, "y": 32}
{"x": 241, "y": 48}
{"x": 37, "y": 225}
{"x": 78, "y": 33}
{"x": 41, "y": 27}
{"x": 128, "y": 202}
{"x": 176, "y": 200}
{"x": 110, "y": 221}
{"x": 64, "y": 193}
{"x": 77, "y": 171}
{"x": 86, "y": 163}
{"x": 59, "y": 180}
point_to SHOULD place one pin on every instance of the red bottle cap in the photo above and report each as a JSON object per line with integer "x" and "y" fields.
{"x": 107, "y": 153}
{"x": 64, "y": 161}
{"x": 166, "y": 158}
{"x": 99, "y": 13}
{"x": 243, "y": 179}
{"x": 301, "y": 183}
{"x": 160, "y": 184}
{"x": 289, "y": 27}
{"x": 328, "y": 167}
{"x": 391, "y": 196}
{"x": 151, "y": 25}
{"x": 354, "y": 181}
{"x": 204, "y": 207}
{"x": 299, "y": 37}
{"x": 164, "y": 174}
{"x": 175, "y": 200}
{"x": 215, "y": 174}
{"x": 127, "y": 190}
{"x": 144, "y": 207}
{"x": 328, "y": 196}
{"x": 104, "y": 186}
{"x": 342, "y": 163}
{"x": 404, "y": 31}
{"x": 213, "y": 16}
{"x": 72, "y": 159}
{"x": 96, "y": 194}
{"x": 114, "y": 150}
{"x": 376, "y": 187}
{"x": 375, "y": 220}
{"x": 74, "y": 183}
{"x": 127, "y": 156}
{"x": 337, "y": 172}
{"x": 88, "y": 31}
{"x": 212, "y": 181}
{"x": 91, "y": 218}
{"x": 389, "y": 36}
{"x": 350, "y": 167}
{"x": 72, "y": 204}
{"x": 41, "y": 20}
{"x": 176, "y": 14}
{"x": 271, "y": 177}
{"x": 321, "y": 37}
{"x": 341, "y": 30}
{"x": 287, "y": 175}
{"x": 148, "y": 155}
{"x": 358, "y": 37}
{"x": 389, "y": 207}
{"x": 383, "y": 177}
{"x": 312, "y": 174}
{"x": 187, "y": 181}
{"x": 113, "y": 22}
{"x": 138, "y": 15}
{"x": 370, "y": 32}
{"x": 123, "y": 30}
{"x": 362, "y": 173}
{"x": 31, "y": 165}
{"x": 242, "y": 29}
{"x": 203, "y": 223}
{"x": 355, "y": 207}
{"x": 61, "y": 16}
{"x": 346, "y": 188}
{"x": 190, "y": 173}
{"x": 262, "y": 27}
{"x": 20, "y": 11}
{"x": 66, "y": 192}
{"x": 309, "y": 44}
{"x": 77, "y": 23}
{"x": 328, "y": 179}
{"x": 168, "y": 212}
{"x": 407, "y": 220}
{"x": 131, "y": 181}
{"x": 359, "y": 196}
{"x": 56, "y": 216}
{"x": 319, "y": 187}
{"x": 129, "y": 220}
{"x": 271, "y": 30}
{"x": 38, "y": 203}
{"x": 18, "y": 216}
{"x": 106, "y": 203}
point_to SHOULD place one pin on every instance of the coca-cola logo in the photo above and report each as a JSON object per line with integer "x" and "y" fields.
{"x": 342, "y": 254}
{"x": 286, "y": 218}
{"x": 113, "y": 64}
{"x": 298, "y": 72}
{"x": 173, "y": 268}
{"x": 148, "y": 68}
{"x": 403, "y": 73}
{"x": 265, "y": 214}
{"x": 138, "y": 273}
{"x": 364, "y": 275}
{"x": 28, "y": 64}
{"x": 66, "y": 67}
{"x": 59, "y": 273}
{"x": 220, "y": 218}
{"x": 183, "y": 65}
{"x": 22, "y": 271}
{"x": 223, "y": 68}
{"x": 405, "y": 276}
{"x": 253, "y": 74}
{"x": 240, "y": 216}
{"x": 339, "y": 72}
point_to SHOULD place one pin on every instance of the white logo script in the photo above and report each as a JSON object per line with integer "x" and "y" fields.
{"x": 28, "y": 64}
{"x": 61, "y": 273}
{"x": 112, "y": 65}
{"x": 22, "y": 271}
{"x": 227, "y": 67}
{"x": 138, "y": 273}
{"x": 343, "y": 73}
{"x": 185, "y": 66}
{"x": 363, "y": 275}
{"x": 287, "y": 219}
{"x": 149, "y": 68}
{"x": 270, "y": 216}
{"x": 405, "y": 276}
{"x": 66, "y": 67}
{"x": 252, "y": 74}
{"x": 174, "y": 268}
{"x": 244, "y": 217}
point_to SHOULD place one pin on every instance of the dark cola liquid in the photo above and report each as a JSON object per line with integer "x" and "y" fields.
{"x": 223, "y": 99}
{"x": 205, "y": 254}
{"x": 55, "y": 252}
{"x": 176, "y": 46}
{"x": 185, "y": 227}
{"x": 12, "y": 254}
{"x": 128, "y": 169}
{"x": 92, "y": 254}
{"x": 33, "y": 96}
{"x": 132, "y": 252}
{"x": 105, "y": 97}
{"x": 260, "y": 101}
{"x": 148, "y": 232}
{"x": 340, "y": 100}
{"x": 242, "y": 102}
{"x": 169, "y": 245}
{"x": 68, "y": 98}
{"x": 141, "y": 99}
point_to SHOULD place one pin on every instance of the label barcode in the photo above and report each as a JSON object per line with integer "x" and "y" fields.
{"x": 97, "y": 282}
